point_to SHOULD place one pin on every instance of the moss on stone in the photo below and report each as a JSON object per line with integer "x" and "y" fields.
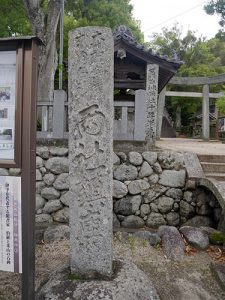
{"x": 218, "y": 237}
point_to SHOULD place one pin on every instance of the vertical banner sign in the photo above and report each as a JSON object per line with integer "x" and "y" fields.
{"x": 10, "y": 224}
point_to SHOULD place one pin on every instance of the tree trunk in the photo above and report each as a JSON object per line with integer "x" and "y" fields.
{"x": 45, "y": 27}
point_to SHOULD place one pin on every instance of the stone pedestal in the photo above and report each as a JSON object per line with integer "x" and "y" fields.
{"x": 91, "y": 56}
{"x": 151, "y": 103}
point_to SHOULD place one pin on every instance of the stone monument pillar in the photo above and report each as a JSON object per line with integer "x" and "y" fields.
{"x": 151, "y": 103}
{"x": 91, "y": 68}
{"x": 160, "y": 112}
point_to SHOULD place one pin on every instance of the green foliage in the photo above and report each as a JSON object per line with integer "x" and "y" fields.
{"x": 216, "y": 7}
{"x": 220, "y": 104}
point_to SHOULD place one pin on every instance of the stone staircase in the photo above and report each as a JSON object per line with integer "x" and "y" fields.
{"x": 213, "y": 166}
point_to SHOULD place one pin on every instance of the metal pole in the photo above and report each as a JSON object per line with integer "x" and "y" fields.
{"x": 61, "y": 46}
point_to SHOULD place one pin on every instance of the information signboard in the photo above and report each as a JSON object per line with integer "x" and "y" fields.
{"x": 7, "y": 104}
{"x": 10, "y": 224}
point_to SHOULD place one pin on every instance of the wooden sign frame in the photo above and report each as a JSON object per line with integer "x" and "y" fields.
{"x": 25, "y": 148}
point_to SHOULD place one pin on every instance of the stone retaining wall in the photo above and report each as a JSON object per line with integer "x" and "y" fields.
{"x": 150, "y": 189}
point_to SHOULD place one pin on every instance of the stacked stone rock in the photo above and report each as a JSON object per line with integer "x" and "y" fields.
{"x": 150, "y": 189}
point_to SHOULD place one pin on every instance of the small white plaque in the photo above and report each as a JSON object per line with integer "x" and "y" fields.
{"x": 10, "y": 224}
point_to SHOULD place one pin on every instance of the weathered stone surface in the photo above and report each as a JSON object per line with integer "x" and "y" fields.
{"x": 39, "y": 162}
{"x": 38, "y": 175}
{"x": 52, "y": 206}
{"x": 132, "y": 222}
{"x": 150, "y": 157}
{"x": 154, "y": 193}
{"x": 195, "y": 237}
{"x": 58, "y": 151}
{"x": 119, "y": 189}
{"x": 146, "y": 170}
{"x": 171, "y": 160}
{"x": 128, "y": 205}
{"x": 153, "y": 207}
{"x": 188, "y": 196}
{"x": 43, "y": 170}
{"x": 122, "y": 156}
{"x": 39, "y": 186}
{"x": 4, "y": 172}
{"x": 58, "y": 165}
{"x": 155, "y": 220}
{"x": 135, "y": 158}
{"x": 198, "y": 221}
{"x": 40, "y": 202}
{"x": 172, "y": 242}
{"x": 54, "y": 233}
{"x": 173, "y": 178}
{"x": 190, "y": 185}
{"x": 49, "y": 179}
{"x": 91, "y": 69}
{"x": 173, "y": 218}
{"x": 14, "y": 171}
{"x": 153, "y": 179}
{"x": 218, "y": 270}
{"x": 137, "y": 186}
{"x": 145, "y": 209}
{"x": 50, "y": 193}
{"x": 186, "y": 210}
{"x": 152, "y": 238}
{"x": 43, "y": 152}
{"x": 157, "y": 168}
{"x": 128, "y": 283}
{"x": 67, "y": 198}
{"x": 116, "y": 159}
{"x": 43, "y": 218}
{"x": 165, "y": 204}
{"x": 62, "y": 182}
{"x": 124, "y": 172}
{"x": 174, "y": 193}
{"x": 62, "y": 215}
{"x": 116, "y": 222}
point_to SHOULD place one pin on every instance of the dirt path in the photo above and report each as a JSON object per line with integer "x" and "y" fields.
{"x": 192, "y": 145}
{"x": 190, "y": 279}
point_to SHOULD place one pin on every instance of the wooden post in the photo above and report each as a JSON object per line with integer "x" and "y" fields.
{"x": 205, "y": 113}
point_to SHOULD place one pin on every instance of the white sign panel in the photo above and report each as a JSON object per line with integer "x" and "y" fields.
{"x": 7, "y": 104}
{"x": 10, "y": 224}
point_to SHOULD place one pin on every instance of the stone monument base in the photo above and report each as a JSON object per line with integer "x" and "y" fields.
{"x": 127, "y": 283}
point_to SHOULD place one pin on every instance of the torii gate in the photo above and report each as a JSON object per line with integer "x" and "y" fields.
{"x": 205, "y": 95}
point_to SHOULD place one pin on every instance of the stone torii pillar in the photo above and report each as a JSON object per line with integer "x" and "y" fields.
{"x": 161, "y": 105}
{"x": 205, "y": 113}
{"x": 151, "y": 104}
{"x": 91, "y": 68}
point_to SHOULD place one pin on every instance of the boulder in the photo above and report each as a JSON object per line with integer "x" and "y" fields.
{"x": 52, "y": 234}
{"x": 4, "y": 172}
{"x": 176, "y": 194}
{"x": 49, "y": 179}
{"x": 137, "y": 186}
{"x": 128, "y": 205}
{"x": 155, "y": 220}
{"x": 50, "y": 193}
{"x": 116, "y": 159}
{"x": 40, "y": 202}
{"x": 116, "y": 222}
{"x": 43, "y": 218}
{"x": 173, "y": 178}
{"x": 173, "y": 218}
{"x": 62, "y": 182}
{"x": 153, "y": 179}
{"x": 52, "y": 206}
{"x": 186, "y": 210}
{"x": 59, "y": 151}
{"x": 135, "y": 158}
{"x": 124, "y": 172}
{"x": 14, "y": 171}
{"x": 218, "y": 270}
{"x": 144, "y": 210}
{"x": 119, "y": 189}
{"x": 165, "y": 204}
{"x": 152, "y": 238}
{"x": 171, "y": 160}
{"x": 188, "y": 196}
{"x": 150, "y": 157}
{"x": 40, "y": 185}
{"x": 122, "y": 156}
{"x": 61, "y": 215}
{"x": 157, "y": 168}
{"x": 39, "y": 162}
{"x": 43, "y": 152}
{"x": 66, "y": 198}
{"x": 195, "y": 237}
{"x": 154, "y": 193}
{"x": 132, "y": 222}
{"x": 58, "y": 165}
{"x": 146, "y": 170}
{"x": 172, "y": 242}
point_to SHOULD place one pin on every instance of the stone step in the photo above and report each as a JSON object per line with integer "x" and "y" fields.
{"x": 211, "y": 158}
{"x": 218, "y": 176}
{"x": 213, "y": 167}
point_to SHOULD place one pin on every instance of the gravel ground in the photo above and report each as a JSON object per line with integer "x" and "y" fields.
{"x": 190, "y": 279}
{"x": 192, "y": 145}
